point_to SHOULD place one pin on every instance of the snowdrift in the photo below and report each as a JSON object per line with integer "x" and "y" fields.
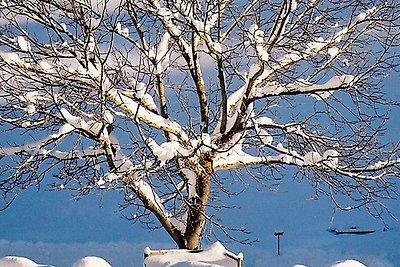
{"x": 91, "y": 261}
{"x": 13, "y": 261}
{"x": 215, "y": 255}
{"x": 349, "y": 263}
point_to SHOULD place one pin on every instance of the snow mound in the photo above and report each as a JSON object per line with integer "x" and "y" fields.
{"x": 348, "y": 263}
{"x": 91, "y": 261}
{"x": 13, "y": 261}
{"x": 215, "y": 255}
{"x": 192, "y": 264}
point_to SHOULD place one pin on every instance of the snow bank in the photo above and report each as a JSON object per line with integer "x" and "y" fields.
{"x": 348, "y": 263}
{"x": 91, "y": 261}
{"x": 13, "y": 261}
{"x": 215, "y": 255}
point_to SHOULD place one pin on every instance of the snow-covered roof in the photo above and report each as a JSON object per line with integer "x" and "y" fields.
{"x": 215, "y": 255}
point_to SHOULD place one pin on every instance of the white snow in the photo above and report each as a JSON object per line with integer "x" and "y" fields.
{"x": 118, "y": 28}
{"x": 339, "y": 36}
{"x": 155, "y": 120}
{"x": 316, "y": 45}
{"x": 289, "y": 58}
{"x": 179, "y": 222}
{"x": 233, "y": 157}
{"x": 100, "y": 182}
{"x": 3, "y": 4}
{"x": 166, "y": 151}
{"x": 79, "y": 123}
{"x": 162, "y": 57}
{"x": 348, "y": 263}
{"x": 109, "y": 177}
{"x": 91, "y": 261}
{"x": 47, "y": 66}
{"x": 125, "y": 32}
{"x": 312, "y": 158}
{"x": 322, "y": 90}
{"x": 333, "y": 51}
{"x": 234, "y": 98}
{"x": 252, "y": 29}
{"x": 191, "y": 181}
{"x": 108, "y": 117}
{"x": 215, "y": 255}
{"x": 265, "y": 137}
{"x": 163, "y": 46}
{"x": 14, "y": 261}
{"x": 23, "y": 44}
{"x": 338, "y": 81}
{"x": 141, "y": 93}
{"x": 331, "y": 158}
{"x": 91, "y": 45}
{"x": 264, "y": 121}
{"x": 64, "y": 27}
{"x": 148, "y": 191}
{"x": 30, "y": 109}
{"x": 192, "y": 264}
{"x": 293, "y": 6}
{"x": 122, "y": 31}
{"x": 165, "y": 12}
{"x": 129, "y": 254}
{"x": 66, "y": 128}
{"x": 257, "y": 37}
{"x": 147, "y": 250}
{"x": 12, "y": 58}
{"x": 360, "y": 17}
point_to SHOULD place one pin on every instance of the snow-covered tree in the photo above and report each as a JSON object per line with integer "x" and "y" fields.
{"x": 157, "y": 99}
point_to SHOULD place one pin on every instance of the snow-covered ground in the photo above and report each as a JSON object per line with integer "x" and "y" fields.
{"x": 14, "y": 261}
{"x": 213, "y": 259}
{"x": 126, "y": 255}
{"x": 91, "y": 261}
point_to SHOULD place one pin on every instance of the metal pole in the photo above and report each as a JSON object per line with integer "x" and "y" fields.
{"x": 278, "y": 233}
{"x": 278, "y": 245}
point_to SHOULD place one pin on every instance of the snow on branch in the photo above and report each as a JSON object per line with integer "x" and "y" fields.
{"x": 93, "y": 127}
{"x": 144, "y": 115}
{"x": 303, "y": 87}
{"x": 167, "y": 151}
{"x": 125, "y": 170}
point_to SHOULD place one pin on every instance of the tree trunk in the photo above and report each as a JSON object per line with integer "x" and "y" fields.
{"x": 196, "y": 217}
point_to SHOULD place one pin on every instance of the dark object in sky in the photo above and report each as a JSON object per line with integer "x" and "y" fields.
{"x": 353, "y": 230}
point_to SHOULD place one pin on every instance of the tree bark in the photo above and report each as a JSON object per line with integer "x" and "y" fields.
{"x": 196, "y": 217}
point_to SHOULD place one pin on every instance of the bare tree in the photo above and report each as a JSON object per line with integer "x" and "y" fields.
{"x": 157, "y": 98}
